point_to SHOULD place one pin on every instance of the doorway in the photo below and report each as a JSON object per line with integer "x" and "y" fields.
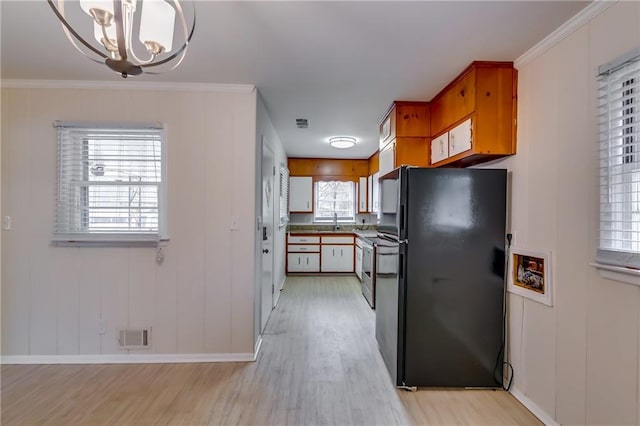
{"x": 268, "y": 209}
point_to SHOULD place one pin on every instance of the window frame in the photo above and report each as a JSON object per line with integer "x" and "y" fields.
{"x": 619, "y": 147}
{"x": 86, "y": 237}
{"x": 340, "y": 219}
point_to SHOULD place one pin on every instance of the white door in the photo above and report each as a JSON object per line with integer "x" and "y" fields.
{"x": 362, "y": 195}
{"x": 387, "y": 159}
{"x": 374, "y": 193}
{"x": 267, "y": 287}
{"x": 460, "y": 138}
{"x": 440, "y": 148}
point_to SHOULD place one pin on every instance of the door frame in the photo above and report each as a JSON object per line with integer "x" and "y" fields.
{"x": 266, "y": 148}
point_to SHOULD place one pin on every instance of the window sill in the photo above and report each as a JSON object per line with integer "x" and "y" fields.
{"x": 618, "y": 273}
{"x": 162, "y": 242}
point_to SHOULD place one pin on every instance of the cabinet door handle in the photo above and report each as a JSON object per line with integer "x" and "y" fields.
{"x": 307, "y": 260}
{"x": 299, "y": 259}
{"x": 334, "y": 252}
{"x": 307, "y": 204}
{"x": 441, "y": 147}
{"x": 341, "y": 252}
{"x": 453, "y": 143}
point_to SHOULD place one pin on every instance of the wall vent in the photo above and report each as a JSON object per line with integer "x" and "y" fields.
{"x": 134, "y": 338}
{"x": 302, "y": 123}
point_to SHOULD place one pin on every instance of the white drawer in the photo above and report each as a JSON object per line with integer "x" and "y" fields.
{"x": 299, "y": 248}
{"x": 303, "y": 239}
{"x": 337, "y": 240}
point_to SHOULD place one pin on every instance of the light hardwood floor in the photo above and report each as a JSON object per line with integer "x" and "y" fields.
{"x": 319, "y": 364}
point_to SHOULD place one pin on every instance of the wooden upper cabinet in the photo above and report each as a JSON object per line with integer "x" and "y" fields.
{"x": 485, "y": 93}
{"x": 405, "y": 119}
{"x": 405, "y": 135}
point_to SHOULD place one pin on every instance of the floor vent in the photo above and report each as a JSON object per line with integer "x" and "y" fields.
{"x": 134, "y": 338}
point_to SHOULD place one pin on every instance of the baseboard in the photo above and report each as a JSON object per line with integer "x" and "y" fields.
{"x": 128, "y": 358}
{"x": 542, "y": 415}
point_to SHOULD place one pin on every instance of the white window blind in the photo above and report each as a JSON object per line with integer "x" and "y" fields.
{"x": 284, "y": 196}
{"x": 619, "y": 127}
{"x": 335, "y": 200}
{"x": 110, "y": 183}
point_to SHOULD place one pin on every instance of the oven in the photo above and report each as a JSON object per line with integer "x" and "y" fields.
{"x": 369, "y": 271}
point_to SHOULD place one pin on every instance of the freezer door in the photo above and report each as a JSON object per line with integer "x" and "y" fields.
{"x": 392, "y": 193}
{"x": 387, "y": 299}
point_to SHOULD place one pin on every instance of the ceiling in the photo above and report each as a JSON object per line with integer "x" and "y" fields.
{"x": 337, "y": 64}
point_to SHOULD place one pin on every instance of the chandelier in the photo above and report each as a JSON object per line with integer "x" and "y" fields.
{"x": 116, "y": 24}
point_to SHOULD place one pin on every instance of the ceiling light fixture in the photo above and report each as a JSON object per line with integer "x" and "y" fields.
{"x": 342, "y": 142}
{"x": 114, "y": 25}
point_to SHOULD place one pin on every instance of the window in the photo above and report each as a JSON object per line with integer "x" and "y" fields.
{"x": 619, "y": 127}
{"x": 335, "y": 200}
{"x": 111, "y": 183}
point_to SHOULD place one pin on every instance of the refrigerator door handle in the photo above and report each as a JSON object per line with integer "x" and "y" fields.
{"x": 401, "y": 231}
{"x": 400, "y": 266}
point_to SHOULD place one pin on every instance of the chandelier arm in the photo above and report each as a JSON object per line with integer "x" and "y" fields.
{"x": 107, "y": 40}
{"x": 130, "y": 49}
{"x": 119, "y": 20}
{"x": 184, "y": 52}
{"x": 183, "y": 49}
{"x": 68, "y": 30}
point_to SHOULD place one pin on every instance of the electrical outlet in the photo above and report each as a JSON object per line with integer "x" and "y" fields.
{"x": 102, "y": 326}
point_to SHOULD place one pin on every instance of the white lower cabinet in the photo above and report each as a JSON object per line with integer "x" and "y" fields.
{"x": 303, "y": 262}
{"x": 337, "y": 258}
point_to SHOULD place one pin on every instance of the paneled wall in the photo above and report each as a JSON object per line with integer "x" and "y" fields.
{"x": 200, "y": 299}
{"x": 578, "y": 360}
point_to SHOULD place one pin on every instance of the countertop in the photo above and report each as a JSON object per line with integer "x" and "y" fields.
{"x": 362, "y": 233}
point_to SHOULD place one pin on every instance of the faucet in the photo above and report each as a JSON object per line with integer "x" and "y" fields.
{"x": 335, "y": 222}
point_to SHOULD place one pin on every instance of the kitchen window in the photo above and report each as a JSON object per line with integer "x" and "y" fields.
{"x": 619, "y": 127}
{"x": 111, "y": 184}
{"x": 335, "y": 200}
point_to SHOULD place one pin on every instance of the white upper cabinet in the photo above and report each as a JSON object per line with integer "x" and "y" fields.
{"x": 387, "y": 159}
{"x": 301, "y": 194}
{"x": 370, "y": 193}
{"x": 460, "y": 138}
{"x": 451, "y": 143}
{"x": 440, "y": 148}
{"x": 362, "y": 195}
{"x": 374, "y": 192}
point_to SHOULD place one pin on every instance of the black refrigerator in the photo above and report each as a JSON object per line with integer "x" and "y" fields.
{"x": 440, "y": 276}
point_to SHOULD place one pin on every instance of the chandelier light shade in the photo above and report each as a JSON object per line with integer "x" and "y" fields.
{"x": 131, "y": 36}
{"x": 342, "y": 142}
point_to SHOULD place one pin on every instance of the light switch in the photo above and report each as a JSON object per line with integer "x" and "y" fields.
{"x": 6, "y": 223}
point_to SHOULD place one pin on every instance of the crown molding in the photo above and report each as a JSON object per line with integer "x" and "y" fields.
{"x": 565, "y": 30}
{"x": 128, "y": 85}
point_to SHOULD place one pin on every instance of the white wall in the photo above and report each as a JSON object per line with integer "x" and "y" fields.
{"x": 578, "y": 360}
{"x": 200, "y": 300}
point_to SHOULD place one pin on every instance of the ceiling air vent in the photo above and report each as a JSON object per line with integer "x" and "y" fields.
{"x": 302, "y": 123}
